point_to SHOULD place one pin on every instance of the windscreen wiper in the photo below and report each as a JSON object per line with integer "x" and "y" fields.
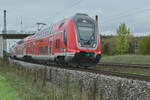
{"x": 90, "y": 38}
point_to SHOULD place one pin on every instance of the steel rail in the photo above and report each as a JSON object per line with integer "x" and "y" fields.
{"x": 141, "y": 66}
{"x": 122, "y": 75}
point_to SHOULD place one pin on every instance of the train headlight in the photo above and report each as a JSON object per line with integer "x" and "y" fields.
{"x": 64, "y": 50}
{"x": 94, "y": 45}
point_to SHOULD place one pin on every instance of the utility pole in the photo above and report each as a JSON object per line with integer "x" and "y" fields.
{"x": 4, "y": 31}
{"x": 96, "y": 18}
{"x": 21, "y": 27}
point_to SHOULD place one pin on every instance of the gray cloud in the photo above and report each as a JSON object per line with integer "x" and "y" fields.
{"x": 111, "y": 12}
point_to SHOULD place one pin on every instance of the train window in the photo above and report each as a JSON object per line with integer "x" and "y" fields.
{"x": 20, "y": 52}
{"x": 65, "y": 38}
{"x": 86, "y": 29}
{"x": 50, "y": 47}
{"x": 43, "y": 50}
{"x": 61, "y": 25}
{"x": 33, "y": 47}
{"x": 31, "y": 43}
{"x": 58, "y": 43}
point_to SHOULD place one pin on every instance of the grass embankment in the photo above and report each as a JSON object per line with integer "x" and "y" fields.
{"x": 7, "y": 92}
{"x": 127, "y": 59}
{"x": 17, "y": 86}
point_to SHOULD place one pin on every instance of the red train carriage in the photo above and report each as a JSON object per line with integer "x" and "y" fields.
{"x": 73, "y": 40}
{"x": 17, "y": 50}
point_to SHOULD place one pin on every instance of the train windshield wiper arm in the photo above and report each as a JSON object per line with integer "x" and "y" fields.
{"x": 90, "y": 39}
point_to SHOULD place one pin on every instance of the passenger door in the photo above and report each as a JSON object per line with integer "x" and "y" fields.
{"x": 50, "y": 45}
{"x": 33, "y": 51}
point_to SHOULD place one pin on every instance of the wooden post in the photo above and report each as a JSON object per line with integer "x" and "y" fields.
{"x": 50, "y": 75}
{"x": 44, "y": 76}
{"x": 35, "y": 76}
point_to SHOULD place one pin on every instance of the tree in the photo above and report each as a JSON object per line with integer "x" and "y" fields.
{"x": 144, "y": 47}
{"x": 123, "y": 33}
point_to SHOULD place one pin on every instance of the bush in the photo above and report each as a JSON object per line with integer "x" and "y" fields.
{"x": 144, "y": 46}
{"x": 109, "y": 47}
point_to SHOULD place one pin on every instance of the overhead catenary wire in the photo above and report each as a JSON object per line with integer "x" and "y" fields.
{"x": 52, "y": 18}
{"x": 106, "y": 21}
{"x": 64, "y": 9}
{"x": 123, "y": 15}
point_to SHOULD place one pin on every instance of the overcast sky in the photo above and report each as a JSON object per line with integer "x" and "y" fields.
{"x": 135, "y": 13}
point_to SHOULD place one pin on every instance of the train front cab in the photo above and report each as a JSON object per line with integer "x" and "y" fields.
{"x": 83, "y": 42}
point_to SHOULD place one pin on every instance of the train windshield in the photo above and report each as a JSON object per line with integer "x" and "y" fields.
{"x": 85, "y": 32}
{"x": 85, "y": 29}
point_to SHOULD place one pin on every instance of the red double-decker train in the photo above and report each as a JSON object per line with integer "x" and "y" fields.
{"x": 74, "y": 40}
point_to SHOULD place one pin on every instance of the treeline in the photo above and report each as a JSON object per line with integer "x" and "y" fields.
{"x": 125, "y": 43}
{"x": 144, "y": 45}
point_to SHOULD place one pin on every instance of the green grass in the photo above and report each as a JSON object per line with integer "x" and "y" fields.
{"x": 17, "y": 86}
{"x": 14, "y": 86}
{"x": 129, "y": 59}
{"x": 7, "y": 92}
{"x": 125, "y": 59}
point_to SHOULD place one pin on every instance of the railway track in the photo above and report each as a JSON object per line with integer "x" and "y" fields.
{"x": 103, "y": 72}
{"x": 125, "y": 65}
{"x": 122, "y": 75}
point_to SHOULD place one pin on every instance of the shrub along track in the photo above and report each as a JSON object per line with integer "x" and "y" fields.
{"x": 92, "y": 70}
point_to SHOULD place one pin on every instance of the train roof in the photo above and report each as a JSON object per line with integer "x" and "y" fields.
{"x": 49, "y": 28}
{"x": 81, "y": 16}
{"x": 29, "y": 38}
